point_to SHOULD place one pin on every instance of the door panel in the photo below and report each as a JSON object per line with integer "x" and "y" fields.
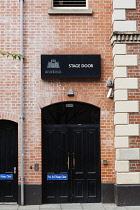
{"x": 63, "y": 150}
{"x": 92, "y": 157}
{"x": 91, "y": 186}
{"x": 78, "y": 148}
{"x": 8, "y": 160}
{"x": 55, "y": 161}
{"x": 86, "y": 172}
{"x": 72, "y": 150}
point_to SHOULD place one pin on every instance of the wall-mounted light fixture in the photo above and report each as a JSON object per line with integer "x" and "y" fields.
{"x": 110, "y": 93}
{"x": 109, "y": 83}
{"x": 70, "y": 93}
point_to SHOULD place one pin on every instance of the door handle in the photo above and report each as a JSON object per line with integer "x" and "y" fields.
{"x": 73, "y": 160}
{"x": 68, "y": 161}
{"x": 15, "y": 170}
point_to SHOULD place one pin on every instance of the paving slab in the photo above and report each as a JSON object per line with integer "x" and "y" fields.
{"x": 72, "y": 209}
{"x": 132, "y": 207}
{"x": 71, "y": 206}
{"x": 31, "y": 207}
{"x": 109, "y": 204}
{"x": 113, "y": 207}
{"x": 98, "y": 208}
{"x": 95, "y": 208}
{"x": 9, "y": 207}
{"x": 50, "y": 206}
{"x": 92, "y": 206}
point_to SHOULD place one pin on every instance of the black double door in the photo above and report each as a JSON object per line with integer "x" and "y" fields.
{"x": 72, "y": 150}
{"x": 8, "y": 161}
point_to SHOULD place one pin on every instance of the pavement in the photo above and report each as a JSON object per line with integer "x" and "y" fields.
{"x": 73, "y": 206}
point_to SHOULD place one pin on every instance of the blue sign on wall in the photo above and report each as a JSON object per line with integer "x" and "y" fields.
{"x": 6, "y": 176}
{"x": 57, "y": 177}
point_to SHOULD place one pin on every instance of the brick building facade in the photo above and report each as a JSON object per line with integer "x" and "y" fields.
{"x": 106, "y": 28}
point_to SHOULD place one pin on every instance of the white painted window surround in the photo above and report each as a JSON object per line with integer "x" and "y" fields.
{"x": 61, "y": 9}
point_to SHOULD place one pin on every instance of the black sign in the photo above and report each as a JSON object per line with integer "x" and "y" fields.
{"x": 70, "y": 66}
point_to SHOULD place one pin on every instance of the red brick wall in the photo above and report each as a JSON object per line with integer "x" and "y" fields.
{"x": 56, "y": 34}
{"x": 134, "y": 14}
{"x": 134, "y": 118}
{"x": 134, "y": 166}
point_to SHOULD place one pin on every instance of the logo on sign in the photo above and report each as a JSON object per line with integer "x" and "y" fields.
{"x": 53, "y": 64}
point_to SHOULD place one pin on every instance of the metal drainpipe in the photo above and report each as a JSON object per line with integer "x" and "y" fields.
{"x": 21, "y": 104}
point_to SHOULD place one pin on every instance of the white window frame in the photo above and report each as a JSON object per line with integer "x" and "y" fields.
{"x": 70, "y": 8}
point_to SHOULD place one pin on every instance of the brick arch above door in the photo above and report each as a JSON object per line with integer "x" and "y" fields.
{"x": 42, "y": 102}
{"x": 9, "y": 116}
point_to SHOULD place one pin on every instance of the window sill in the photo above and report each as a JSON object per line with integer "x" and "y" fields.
{"x": 70, "y": 11}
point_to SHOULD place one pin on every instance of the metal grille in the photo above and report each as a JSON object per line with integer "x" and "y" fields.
{"x": 69, "y": 3}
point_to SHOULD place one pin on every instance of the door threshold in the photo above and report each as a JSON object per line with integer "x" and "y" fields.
{"x": 8, "y": 203}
